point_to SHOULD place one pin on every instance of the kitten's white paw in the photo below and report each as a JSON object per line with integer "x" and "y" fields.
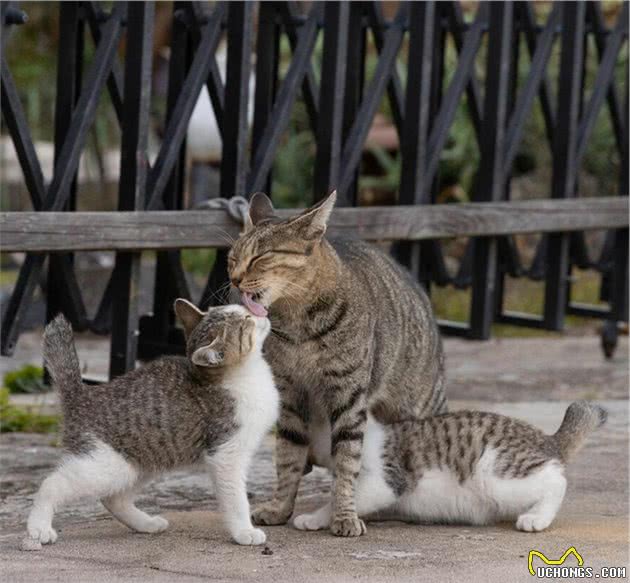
{"x": 153, "y": 525}
{"x": 30, "y": 544}
{"x": 41, "y": 532}
{"x": 311, "y": 522}
{"x": 532, "y": 522}
{"x": 250, "y": 536}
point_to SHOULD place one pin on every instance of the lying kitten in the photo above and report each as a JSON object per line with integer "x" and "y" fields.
{"x": 466, "y": 467}
{"x": 214, "y": 406}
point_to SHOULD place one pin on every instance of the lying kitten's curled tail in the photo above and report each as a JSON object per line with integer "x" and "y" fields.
{"x": 581, "y": 418}
{"x": 60, "y": 355}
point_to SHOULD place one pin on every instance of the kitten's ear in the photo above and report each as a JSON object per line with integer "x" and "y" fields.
{"x": 312, "y": 223}
{"x": 210, "y": 355}
{"x": 188, "y": 314}
{"x": 260, "y": 208}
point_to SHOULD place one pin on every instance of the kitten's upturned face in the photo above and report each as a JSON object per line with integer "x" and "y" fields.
{"x": 268, "y": 261}
{"x": 222, "y": 336}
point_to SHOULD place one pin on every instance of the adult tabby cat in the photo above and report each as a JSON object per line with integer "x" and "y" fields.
{"x": 213, "y": 406}
{"x": 352, "y": 334}
{"x": 467, "y": 467}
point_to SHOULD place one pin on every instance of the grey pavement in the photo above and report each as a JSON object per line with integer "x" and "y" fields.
{"x": 533, "y": 379}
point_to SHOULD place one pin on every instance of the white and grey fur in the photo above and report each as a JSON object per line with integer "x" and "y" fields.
{"x": 466, "y": 467}
{"x": 213, "y": 406}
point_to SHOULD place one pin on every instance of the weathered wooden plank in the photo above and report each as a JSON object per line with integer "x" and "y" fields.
{"x": 84, "y": 231}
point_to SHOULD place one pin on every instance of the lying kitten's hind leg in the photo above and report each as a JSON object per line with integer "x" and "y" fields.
{"x": 100, "y": 473}
{"x": 372, "y": 495}
{"x": 317, "y": 520}
{"x": 542, "y": 513}
{"x": 123, "y": 508}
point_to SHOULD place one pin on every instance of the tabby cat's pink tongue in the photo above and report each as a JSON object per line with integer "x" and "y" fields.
{"x": 254, "y": 307}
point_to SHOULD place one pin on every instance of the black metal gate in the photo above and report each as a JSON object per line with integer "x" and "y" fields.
{"x": 341, "y": 106}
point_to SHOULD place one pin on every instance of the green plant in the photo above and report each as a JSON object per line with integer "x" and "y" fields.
{"x": 27, "y": 379}
{"x": 13, "y": 418}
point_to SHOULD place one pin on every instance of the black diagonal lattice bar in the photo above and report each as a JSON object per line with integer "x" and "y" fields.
{"x": 602, "y": 82}
{"x": 95, "y": 19}
{"x": 214, "y": 83}
{"x": 535, "y": 78}
{"x": 280, "y": 114}
{"x": 600, "y": 32}
{"x": 310, "y": 89}
{"x": 59, "y": 190}
{"x": 178, "y": 122}
{"x": 353, "y": 147}
{"x": 456, "y": 19}
{"x": 394, "y": 86}
{"x": 446, "y": 115}
{"x": 14, "y": 117}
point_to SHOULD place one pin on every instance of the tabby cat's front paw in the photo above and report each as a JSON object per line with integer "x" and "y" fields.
{"x": 270, "y": 514}
{"x": 353, "y": 526}
{"x": 250, "y": 536}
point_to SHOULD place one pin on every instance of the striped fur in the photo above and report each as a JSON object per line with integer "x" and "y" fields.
{"x": 352, "y": 334}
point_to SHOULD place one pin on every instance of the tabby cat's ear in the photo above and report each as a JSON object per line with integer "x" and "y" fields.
{"x": 260, "y": 208}
{"x": 210, "y": 355}
{"x": 188, "y": 314}
{"x": 311, "y": 224}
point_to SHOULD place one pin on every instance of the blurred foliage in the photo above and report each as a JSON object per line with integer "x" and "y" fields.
{"x": 27, "y": 379}
{"x": 198, "y": 261}
{"x": 521, "y": 295}
{"x": 14, "y": 418}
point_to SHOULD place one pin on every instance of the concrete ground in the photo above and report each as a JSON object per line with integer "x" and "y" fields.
{"x": 533, "y": 379}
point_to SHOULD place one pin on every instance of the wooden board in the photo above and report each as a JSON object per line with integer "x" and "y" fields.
{"x": 83, "y": 231}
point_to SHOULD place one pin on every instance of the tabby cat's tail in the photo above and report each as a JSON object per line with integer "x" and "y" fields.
{"x": 60, "y": 356}
{"x": 581, "y": 418}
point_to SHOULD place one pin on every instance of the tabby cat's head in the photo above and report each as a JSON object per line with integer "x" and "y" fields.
{"x": 222, "y": 336}
{"x": 268, "y": 261}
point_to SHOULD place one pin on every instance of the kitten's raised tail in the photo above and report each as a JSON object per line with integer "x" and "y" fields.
{"x": 581, "y": 418}
{"x": 60, "y": 355}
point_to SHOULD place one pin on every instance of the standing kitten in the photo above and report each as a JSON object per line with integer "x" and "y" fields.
{"x": 214, "y": 406}
{"x": 467, "y": 467}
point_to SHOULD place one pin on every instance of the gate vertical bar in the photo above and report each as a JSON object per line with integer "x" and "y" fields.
{"x": 234, "y": 163}
{"x": 508, "y": 261}
{"x": 133, "y": 179}
{"x": 235, "y": 160}
{"x": 156, "y": 329}
{"x": 355, "y": 73}
{"x": 331, "y": 98}
{"x": 61, "y": 294}
{"x": 414, "y": 188}
{"x": 267, "y": 58}
{"x": 564, "y": 158}
{"x": 491, "y": 169}
{"x": 619, "y": 275}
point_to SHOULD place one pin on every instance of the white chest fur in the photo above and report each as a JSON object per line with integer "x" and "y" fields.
{"x": 257, "y": 401}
